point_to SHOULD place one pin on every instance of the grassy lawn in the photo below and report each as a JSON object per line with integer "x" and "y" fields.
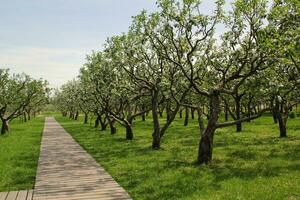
{"x": 254, "y": 164}
{"x": 19, "y": 152}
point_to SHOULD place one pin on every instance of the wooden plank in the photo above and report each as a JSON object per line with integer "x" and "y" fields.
{"x": 30, "y": 195}
{"x": 12, "y": 195}
{"x": 22, "y": 195}
{"x": 67, "y": 171}
{"x": 3, "y": 195}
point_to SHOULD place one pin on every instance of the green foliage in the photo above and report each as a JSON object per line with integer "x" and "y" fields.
{"x": 173, "y": 58}
{"x": 20, "y": 95}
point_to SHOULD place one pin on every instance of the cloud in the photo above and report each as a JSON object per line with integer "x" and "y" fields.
{"x": 53, "y": 64}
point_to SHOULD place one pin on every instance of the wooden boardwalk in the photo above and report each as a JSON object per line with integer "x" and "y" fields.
{"x": 66, "y": 171}
{"x": 16, "y": 195}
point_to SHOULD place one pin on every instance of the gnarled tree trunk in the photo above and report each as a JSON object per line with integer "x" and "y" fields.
{"x": 187, "y": 116}
{"x": 156, "y": 125}
{"x": 206, "y": 140}
{"x": 4, "y": 127}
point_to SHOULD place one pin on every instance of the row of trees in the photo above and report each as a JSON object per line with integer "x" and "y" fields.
{"x": 173, "y": 60}
{"x": 21, "y": 96}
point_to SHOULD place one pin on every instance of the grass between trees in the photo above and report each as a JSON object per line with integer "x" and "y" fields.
{"x": 253, "y": 164}
{"x": 19, "y": 153}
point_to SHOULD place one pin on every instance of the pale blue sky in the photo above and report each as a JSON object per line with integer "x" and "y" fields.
{"x": 50, "y": 38}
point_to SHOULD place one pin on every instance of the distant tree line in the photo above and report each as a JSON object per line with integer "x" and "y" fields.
{"x": 173, "y": 61}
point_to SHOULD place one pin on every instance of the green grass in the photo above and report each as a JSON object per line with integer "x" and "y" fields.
{"x": 19, "y": 152}
{"x": 254, "y": 164}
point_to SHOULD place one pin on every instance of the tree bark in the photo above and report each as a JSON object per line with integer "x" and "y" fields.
{"x": 238, "y": 113}
{"x": 29, "y": 115}
{"x": 187, "y": 115}
{"x": 193, "y": 113}
{"x": 180, "y": 113}
{"x": 97, "y": 122}
{"x": 113, "y": 129}
{"x": 274, "y": 110}
{"x": 102, "y": 123}
{"x": 249, "y": 107}
{"x": 4, "y": 127}
{"x": 200, "y": 121}
{"x": 281, "y": 121}
{"x": 85, "y": 118}
{"x": 76, "y": 115}
{"x": 160, "y": 114}
{"x": 156, "y": 125}
{"x": 282, "y": 125}
{"x": 25, "y": 117}
{"x": 168, "y": 109}
{"x": 226, "y": 112}
{"x": 206, "y": 140}
{"x": 274, "y": 116}
{"x": 129, "y": 132}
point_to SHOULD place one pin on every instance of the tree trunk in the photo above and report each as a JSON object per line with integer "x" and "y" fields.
{"x": 25, "y": 117}
{"x": 281, "y": 121}
{"x": 168, "y": 110}
{"x": 200, "y": 121}
{"x": 193, "y": 113}
{"x": 282, "y": 125}
{"x": 187, "y": 115}
{"x": 160, "y": 114}
{"x": 85, "y": 118}
{"x": 206, "y": 140}
{"x": 29, "y": 115}
{"x": 113, "y": 129}
{"x": 274, "y": 110}
{"x": 4, "y": 127}
{"x": 238, "y": 113}
{"x": 274, "y": 116}
{"x": 129, "y": 133}
{"x": 249, "y": 108}
{"x": 206, "y": 146}
{"x": 156, "y": 125}
{"x": 143, "y": 117}
{"x": 180, "y": 113}
{"x": 76, "y": 115}
{"x": 97, "y": 122}
{"x": 103, "y": 126}
{"x": 226, "y": 112}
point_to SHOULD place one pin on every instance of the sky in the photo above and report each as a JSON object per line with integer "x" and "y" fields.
{"x": 50, "y": 39}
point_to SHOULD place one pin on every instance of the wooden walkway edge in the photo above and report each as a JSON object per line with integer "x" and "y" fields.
{"x": 16, "y": 195}
{"x": 67, "y": 171}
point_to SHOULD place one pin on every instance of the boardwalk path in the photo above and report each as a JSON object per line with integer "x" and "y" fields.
{"x": 67, "y": 171}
